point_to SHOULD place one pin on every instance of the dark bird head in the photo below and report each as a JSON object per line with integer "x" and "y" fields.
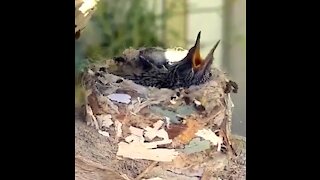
{"x": 193, "y": 69}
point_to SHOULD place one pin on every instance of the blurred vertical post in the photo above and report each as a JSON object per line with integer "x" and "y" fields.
{"x": 234, "y": 58}
{"x": 175, "y": 25}
{"x": 206, "y": 16}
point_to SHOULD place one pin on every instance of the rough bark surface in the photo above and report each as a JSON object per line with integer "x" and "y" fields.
{"x": 84, "y": 10}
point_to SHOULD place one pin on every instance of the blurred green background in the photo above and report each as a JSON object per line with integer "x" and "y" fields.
{"x": 117, "y": 25}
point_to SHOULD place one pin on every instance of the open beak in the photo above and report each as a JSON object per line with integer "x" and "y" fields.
{"x": 196, "y": 59}
{"x": 209, "y": 59}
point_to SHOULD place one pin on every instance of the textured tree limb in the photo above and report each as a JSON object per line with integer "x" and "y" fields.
{"x": 84, "y": 10}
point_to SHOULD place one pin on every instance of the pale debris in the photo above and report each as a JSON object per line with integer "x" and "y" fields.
{"x": 137, "y": 150}
{"x": 134, "y": 138}
{"x": 230, "y": 101}
{"x": 158, "y": 124}
{"x": 104, "y": 133}
{"x": 151, "y": 133}
{"x": 229, "y": 109}
{"x": 87, "y": 6}
{"x": 90, "y": 72}
{"x": 198, "y": 103}
{"x": 105, "y": 120}
{"x": 162, "y": 134}
{"x": 173, "y": 102}
{"x": 168, "y": 122}
{"x": 140, "y": 139}
{"x": 218, "y": 119}
{"x": 136, "y": 131}
{"x": 118, "y": 127}
{"x": 211, "y": 136}
{"x": 93, "y": 120}
{"x": 139, "y": 134}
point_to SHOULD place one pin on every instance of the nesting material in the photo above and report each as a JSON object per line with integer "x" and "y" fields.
{"x": 137, "y": 150}
{"x": 118, "y": 127}
{"x": 137, "y": 147}
{"x": 146, "y": 124}
{"x": 210, "y": 136}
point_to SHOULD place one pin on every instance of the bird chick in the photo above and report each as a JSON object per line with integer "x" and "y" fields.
{"x": 142, "y": 67}
{"x": 154, "y": 55}
{"x": 151, "y": 67}
{"x": 193, "y": 69}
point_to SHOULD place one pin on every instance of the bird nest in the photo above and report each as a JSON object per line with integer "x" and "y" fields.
{"x": 159, "y": 132}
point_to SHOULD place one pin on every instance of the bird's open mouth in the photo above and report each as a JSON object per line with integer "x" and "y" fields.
{"x": 196, "y": 62}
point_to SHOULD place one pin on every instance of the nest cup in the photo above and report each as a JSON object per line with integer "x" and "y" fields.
{"x": 184, "y": 131}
